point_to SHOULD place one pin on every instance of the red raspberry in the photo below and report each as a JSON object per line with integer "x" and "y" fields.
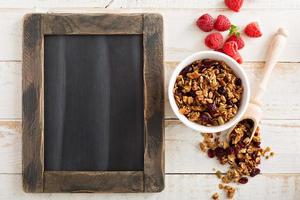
{"x": 205, "y": 23}
{"x": 234, "y": 5}
{"x": 214, "y": 40}
{"x": 239, "y": 58}
{"x": 231, "y": 49}
{"x": 234, "y": 35}
{"x": 219, "y": 50}
{"x": 238, "y": 39}
{"x": 253, "y": 30}
{"x": 222, "y": 23}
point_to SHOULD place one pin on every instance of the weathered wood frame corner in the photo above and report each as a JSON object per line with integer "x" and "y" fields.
{"x": 35, "y": 179}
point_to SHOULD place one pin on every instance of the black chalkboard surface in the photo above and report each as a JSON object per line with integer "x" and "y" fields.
{"x": 94, "y": 103}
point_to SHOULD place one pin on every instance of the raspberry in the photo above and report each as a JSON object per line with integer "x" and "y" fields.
{"x": 238, "y": 39}
{"x": 231, "y": 49}
{"x": 205, "y": 23}
{"x": 253, "y": 30}
{"x": 234, "y": 35}
{"x": 219, "y": 50}
{"x": 222, "y": 23}
{"x": 234, "y": 5}
{"x": 214, "y": 40}
{"x": 239, "y": 58}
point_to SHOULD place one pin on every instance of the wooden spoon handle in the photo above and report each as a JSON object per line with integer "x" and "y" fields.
{"x": 276, "y": 47}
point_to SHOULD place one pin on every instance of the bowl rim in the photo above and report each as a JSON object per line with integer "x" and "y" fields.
{"x": 238, "y": 70}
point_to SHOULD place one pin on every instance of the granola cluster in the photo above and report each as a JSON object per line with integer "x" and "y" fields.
{"x": 242, "y": 154}
{"x": 208, "y": 92}
{"x": 229, "y": 191}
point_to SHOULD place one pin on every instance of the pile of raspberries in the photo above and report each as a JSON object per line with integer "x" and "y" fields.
{"x": 234, "y": 41}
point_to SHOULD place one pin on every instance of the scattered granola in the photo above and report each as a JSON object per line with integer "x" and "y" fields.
{"x": 202, "y": 146}
{"x": 230, "y": 191}
{"x": 242, "y": 155}
{"x": 219, "y": 174}
{"x": 267, "y": 157}
{"x": 221, "y": 186}
{"x": 208, "y": 92}
{"x": 215, "y": 196}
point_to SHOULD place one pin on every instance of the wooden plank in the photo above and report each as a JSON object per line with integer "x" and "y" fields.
{"x": 11, "y": 146}
{"x": 92, "y": 24}
{"x": 48, "y": 3}
{"x": 182, "y": 148}
{"x": 72, "y": 181}
{"x": 182, "y": 37}
{"x": 282, "y": 85}
{"x": 184, "y": 156}
{"x": 33, "y": 122}
{"x": 11, "y": 90}
{"x": 203, "y": 4}
{"x": 293, "y": 4}
{"x": 276, "y": 104}
{"x": 11, "y": 33}
{"x": 273, "y": 186}
{"x": 154, "y": 163}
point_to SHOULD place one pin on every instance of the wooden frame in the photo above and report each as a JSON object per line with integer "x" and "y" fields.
{"x": 35, "y": 179}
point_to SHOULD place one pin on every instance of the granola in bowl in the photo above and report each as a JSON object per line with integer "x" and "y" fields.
{"x": 208, "y": 92}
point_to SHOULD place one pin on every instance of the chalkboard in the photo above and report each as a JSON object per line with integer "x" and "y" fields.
{"x": 94, "y": 106}
{"x": 93, "y": 103}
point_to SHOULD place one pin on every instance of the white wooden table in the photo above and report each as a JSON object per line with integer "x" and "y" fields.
{"x": 189, "y": 173}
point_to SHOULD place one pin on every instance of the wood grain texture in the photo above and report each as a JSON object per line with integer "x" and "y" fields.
{"x": 182, "y": 37}
{"x": 276, "y": 104}
{"x": 11, "y": 35}
{"x": 184, "y": 155}
{"x": 11, "y": 90}
{"x": 283, "y": 84}
{"x": 117, "y": 181}
{"x": 154, "y": 103}
{"x": 182, "y": 148}
{"x": 250, "y": 4}
{"x": 11, "y": 146}
{"x": 33, "y": 152}
{"x": 38, "y": 25}
{"x": 182, "y": 187}
{"x": 216, "y": 4}
{"x": 92, "y": 24}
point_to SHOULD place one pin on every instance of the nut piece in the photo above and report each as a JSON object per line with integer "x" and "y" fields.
{"x": 221, "y": 186}
{"x": 215, "y": 196}
{"x": 230, "y": 191}
{"x": 202, "y": 147}
{"x": 219, "y": 174}
{"x": 208, "y": 92}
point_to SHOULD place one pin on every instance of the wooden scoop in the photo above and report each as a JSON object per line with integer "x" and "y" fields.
{"x": 254, "y": 110}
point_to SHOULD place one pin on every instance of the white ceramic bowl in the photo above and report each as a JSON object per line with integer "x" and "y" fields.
{"x": 238, "y": 71}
